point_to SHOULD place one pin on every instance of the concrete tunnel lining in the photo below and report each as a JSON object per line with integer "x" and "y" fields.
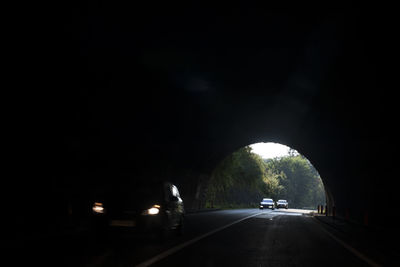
{"x": 125, "y": 103}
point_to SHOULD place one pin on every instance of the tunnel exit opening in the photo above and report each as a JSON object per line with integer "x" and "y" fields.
{"x": 265, "y": 170}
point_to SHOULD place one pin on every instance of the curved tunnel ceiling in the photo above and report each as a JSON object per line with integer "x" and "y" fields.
{"x": 187, "y": 87}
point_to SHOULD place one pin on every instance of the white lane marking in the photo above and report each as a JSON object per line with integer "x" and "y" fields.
{"x": 190, "y": 242}
{"x": 350, "y": 248}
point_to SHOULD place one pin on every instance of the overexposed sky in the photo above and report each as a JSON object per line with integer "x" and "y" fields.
{"x": 270, "y": 150}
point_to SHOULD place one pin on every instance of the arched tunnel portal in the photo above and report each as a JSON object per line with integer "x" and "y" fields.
{"x": 169, "y": 100}
{"x": 170, "y": 144}
{"x": 347, "y": 190}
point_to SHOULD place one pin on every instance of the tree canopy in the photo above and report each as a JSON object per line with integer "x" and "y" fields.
{"x": 243, "y": 178}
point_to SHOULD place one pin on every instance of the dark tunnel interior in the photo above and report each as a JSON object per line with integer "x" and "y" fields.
{"x": 122, "y": 91}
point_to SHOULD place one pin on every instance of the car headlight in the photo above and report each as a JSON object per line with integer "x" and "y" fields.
{"x": 154, "y": 210}
{"x": 98, "y": 208}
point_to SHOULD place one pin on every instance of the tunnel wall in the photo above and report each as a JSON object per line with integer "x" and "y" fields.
{"x": 120, "y": 97}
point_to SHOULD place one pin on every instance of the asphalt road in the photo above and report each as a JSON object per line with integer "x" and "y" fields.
{"x": 273, "y": 238}
{"x": 247, "y": 237}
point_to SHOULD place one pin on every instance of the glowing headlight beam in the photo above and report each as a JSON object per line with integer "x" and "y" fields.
{"x": 152, "y": 211}
{"x": 98, "y": 207}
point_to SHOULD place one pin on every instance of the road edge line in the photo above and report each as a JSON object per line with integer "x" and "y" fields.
{"x": 348, "y": 247}
{"x": 190, "y": 242}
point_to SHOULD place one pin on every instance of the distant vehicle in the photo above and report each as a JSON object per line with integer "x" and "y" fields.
{"x": 282, "y": 204}
{"x": 147, "y": 208}
{"x": 267, "y": 203}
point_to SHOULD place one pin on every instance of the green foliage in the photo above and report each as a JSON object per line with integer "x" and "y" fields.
{"x": 243, "y": 178}
{"x": 237, "y": 181}
{"x": 302, "y": 184}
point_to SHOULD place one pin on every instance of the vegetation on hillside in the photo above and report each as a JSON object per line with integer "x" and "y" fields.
{"x": 244, "y": 178}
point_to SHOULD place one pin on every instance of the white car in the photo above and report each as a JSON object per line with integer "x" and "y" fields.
{"x": 282, "y": 204}
{"x": 267, "y": 203}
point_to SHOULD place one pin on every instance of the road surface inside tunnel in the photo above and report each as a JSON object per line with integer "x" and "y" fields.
{"x": 244, "y": 237}
{"x": 272, "y": 238}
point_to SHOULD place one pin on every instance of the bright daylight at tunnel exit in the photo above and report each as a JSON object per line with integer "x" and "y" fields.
{"x": 265, "y": 171}
{"x": 133, "y": 130}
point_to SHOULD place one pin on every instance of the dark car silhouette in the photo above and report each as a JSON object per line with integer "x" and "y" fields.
{"x": 147, "y": 208}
